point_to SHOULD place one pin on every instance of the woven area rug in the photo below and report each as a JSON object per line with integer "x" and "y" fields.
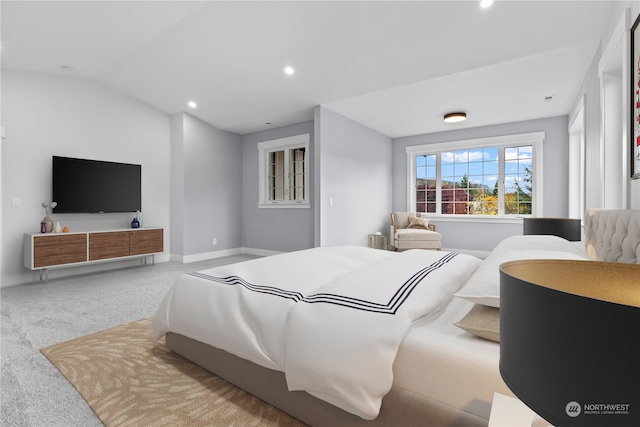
{"x": 130, "y": 380}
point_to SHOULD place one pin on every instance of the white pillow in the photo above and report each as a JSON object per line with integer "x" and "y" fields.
{"x": 483, "y": 287}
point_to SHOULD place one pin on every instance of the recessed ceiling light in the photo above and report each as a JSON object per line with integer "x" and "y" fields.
{"x": 192, "y": 104}
{"x": 455, "y": 117}
{"x": 549, "y": 98}
{"x": 68, "y": 68}
{"x": 289, "y": 71}
{"x": 486, "y": 3}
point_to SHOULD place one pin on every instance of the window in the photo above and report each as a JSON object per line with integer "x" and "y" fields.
{"x": 284, "y": 172}
{"x": 485, "y": 177}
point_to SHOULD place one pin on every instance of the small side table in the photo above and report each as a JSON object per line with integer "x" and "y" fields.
{"x": 377, "y": 241}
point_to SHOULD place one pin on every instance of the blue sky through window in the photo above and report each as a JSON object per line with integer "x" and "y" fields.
{"x": 480, "y": 165}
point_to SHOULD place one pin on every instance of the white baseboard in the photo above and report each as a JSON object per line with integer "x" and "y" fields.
{"x": 219, "y": 254}
{"x": 259, "y": 252}
{"x": 205, "y": 255}
{"x": 162, "y": 258}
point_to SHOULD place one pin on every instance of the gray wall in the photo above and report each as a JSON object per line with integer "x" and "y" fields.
{"x": 212, "y": 194}
{"x": 177, "y": 186}
{"x": 483, "y": 237}
{"x": 274, "y": 229}
{"x": 353, "y": 180}
{"x": 46, "y": 115}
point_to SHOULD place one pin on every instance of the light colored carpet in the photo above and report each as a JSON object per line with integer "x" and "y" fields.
{"x": 34, "y": 315}
{"x": 130, "y": 380}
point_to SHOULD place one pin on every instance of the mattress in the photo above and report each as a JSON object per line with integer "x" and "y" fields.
{"x": 443, "y": 363}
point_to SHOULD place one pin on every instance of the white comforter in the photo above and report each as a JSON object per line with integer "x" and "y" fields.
{"x": 331, "y": 319}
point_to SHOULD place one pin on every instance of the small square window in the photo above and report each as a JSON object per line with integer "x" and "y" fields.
{"x": 283, "y": 169}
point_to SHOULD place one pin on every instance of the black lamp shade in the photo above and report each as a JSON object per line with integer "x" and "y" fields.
{"x": 568, "y": 352}
{"x": 566, "y": 228}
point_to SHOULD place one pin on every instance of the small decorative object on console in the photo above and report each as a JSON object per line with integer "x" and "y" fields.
{"x": 47, "y": 221}
{"x": 135, "y": 223}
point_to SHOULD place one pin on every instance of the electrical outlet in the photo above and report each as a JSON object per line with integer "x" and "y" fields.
{"x": 214, "y": 241}
{"x": 16, "y": 203}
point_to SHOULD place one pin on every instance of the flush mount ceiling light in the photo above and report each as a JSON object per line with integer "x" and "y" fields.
{"x": 289, "y": 71}
{"x": 455, "y": 117}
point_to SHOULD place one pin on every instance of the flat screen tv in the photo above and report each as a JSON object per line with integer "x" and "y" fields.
{"x": 94, "y": 186}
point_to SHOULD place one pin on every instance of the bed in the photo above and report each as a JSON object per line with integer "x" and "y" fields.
{"x": 350, "y": 336}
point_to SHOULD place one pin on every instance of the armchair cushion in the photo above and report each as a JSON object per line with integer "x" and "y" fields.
{"x": 403, "y": 234}
{"x": 418, "y": 223}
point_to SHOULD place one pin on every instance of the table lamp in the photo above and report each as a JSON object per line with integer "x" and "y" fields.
{"x": 567, "y": 228}
{"x": 570, "y": 340}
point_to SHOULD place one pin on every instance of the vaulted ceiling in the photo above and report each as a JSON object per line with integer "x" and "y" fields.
{"x": 394, "y": 66}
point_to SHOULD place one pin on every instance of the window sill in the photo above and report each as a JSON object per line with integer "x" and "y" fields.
{"x": 304, "y": 205}
{"x": 475, "y": 218}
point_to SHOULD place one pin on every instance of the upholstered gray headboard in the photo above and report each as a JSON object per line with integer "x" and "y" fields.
{"x": 613, "y": 235}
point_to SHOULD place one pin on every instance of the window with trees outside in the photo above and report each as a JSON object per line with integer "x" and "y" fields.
{"x": 485, "y": 177}
{"x": 283, "y": 170}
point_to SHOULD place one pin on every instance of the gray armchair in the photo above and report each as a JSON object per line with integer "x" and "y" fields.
{"x": 409, "y": 231}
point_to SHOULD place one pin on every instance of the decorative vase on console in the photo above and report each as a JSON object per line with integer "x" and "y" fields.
{"x": 47, "y": 221}
{"x": 48, "y": 224}
{"x": 139, "y": 218}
